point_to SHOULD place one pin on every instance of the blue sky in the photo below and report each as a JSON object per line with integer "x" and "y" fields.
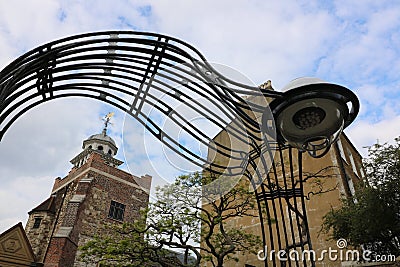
{"x": 352, "y": 43}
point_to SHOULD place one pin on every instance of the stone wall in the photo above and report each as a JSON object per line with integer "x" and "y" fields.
{"x": 39, "y": 237}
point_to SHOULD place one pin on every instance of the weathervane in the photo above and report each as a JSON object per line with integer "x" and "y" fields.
{"x": 106, "y": 120}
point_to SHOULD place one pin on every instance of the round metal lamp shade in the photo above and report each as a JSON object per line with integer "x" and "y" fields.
{"x": 312, "y": 113}
{"x": 311, "y": 124}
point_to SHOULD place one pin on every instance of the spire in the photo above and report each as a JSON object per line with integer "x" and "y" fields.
{"x": 106, "y": 120}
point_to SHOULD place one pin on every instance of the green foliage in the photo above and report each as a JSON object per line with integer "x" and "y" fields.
{"x": 373, "y": 219}
{"x": 185, "y": 213}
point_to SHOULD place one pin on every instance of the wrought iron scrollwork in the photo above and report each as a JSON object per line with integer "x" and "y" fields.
{"x": 134, "y": 72}
{"x": 44, "y": 73}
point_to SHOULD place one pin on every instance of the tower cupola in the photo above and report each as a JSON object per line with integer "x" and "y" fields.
{"x": 99, "y": 143}
{"x": 102, "y": 142}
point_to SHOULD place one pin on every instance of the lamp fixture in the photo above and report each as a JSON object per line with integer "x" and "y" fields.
{"x": 312, "y": 113}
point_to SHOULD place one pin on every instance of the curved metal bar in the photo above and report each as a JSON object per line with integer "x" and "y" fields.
{"x": 146, "y": 75}
{"x": 280, "y": 197}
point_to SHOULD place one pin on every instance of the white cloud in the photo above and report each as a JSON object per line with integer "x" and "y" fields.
{"x": 21, "y": 194}
{"x": 365, "y": 133}
{"x": 265, "y": 40}
{"x": 47, "y": 137}
{"x": 367, "y": 46}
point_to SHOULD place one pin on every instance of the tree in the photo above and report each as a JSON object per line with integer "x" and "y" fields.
{"x": 372, "y": 219}
{"x": 187, "y": 217}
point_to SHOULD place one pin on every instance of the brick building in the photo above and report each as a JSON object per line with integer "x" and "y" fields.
{"x": 94, "y": 193}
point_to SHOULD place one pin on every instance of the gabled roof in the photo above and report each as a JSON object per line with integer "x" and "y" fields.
{"x": 15, "y": 249}
{"x": 48, "y": 205}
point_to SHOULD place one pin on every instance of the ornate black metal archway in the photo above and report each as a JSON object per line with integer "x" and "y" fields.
{"x": 157, "y": 78}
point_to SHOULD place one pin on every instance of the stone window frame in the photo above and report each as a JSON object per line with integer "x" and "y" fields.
{"x": 116, "y": 211}
{"x": 37, "y": 222}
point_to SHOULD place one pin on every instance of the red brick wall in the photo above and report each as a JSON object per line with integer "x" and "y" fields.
{"x": 61, "y": 253}
{"x": 88, "y": 216}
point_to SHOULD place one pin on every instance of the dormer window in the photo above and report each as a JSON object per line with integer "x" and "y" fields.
{"x": 100, "y": 148}
{"x": 110, "y": 152}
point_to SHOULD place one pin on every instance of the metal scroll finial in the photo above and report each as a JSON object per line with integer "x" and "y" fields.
{"x": 106, "y": 120}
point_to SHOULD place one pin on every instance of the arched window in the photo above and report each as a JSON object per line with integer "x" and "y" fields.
{"x": 100, "y": 148}
{"x": 110, "y": 152}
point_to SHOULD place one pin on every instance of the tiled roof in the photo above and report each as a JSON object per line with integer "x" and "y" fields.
{"x": 47, "y": 205}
